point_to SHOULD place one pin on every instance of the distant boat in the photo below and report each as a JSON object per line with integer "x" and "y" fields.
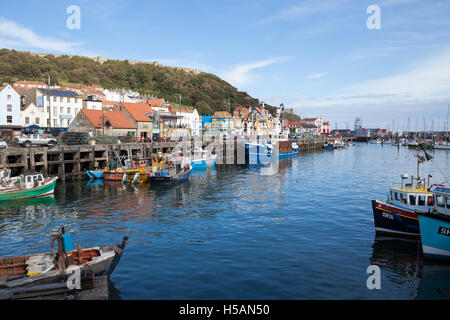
{"x": 26, "y": 186}
{"x": 202, "y": 159}
{"x": 287, "y": 148}
{"x": 258, "y": 153}
{"x": 435, "y": 226}
{"x": 377, "y": 141}
{"x": 94, "y": 174}
{"x": 172, "y": 171}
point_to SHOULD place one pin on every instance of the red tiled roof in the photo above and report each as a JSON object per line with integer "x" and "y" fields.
{"x": 156, "y": 103}
{"x": 110, "y": 102}
{"x": 116, "y": 118}
{"x": 138, "y": 111}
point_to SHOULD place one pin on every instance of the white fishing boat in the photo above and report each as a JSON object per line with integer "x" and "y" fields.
{"x": 202, "y": 159}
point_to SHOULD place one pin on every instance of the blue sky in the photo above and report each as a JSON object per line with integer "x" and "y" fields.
{"x": 318, "y": 57}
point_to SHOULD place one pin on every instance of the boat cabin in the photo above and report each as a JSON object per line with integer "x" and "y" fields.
{"x": 411, "y": 198}
{"x": 442, "y": 203}
{"x": 29, "y": 181}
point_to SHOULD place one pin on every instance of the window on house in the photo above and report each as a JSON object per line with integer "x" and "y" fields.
{"x": 61, "y": 110}
{"x": 8, "y": 119}
{"x": 68, "y": 110}
{"x": 61, "y": 99}
{"x": 9, "y": 108}
{"x": 37, "y": 120}
{"x": 68, "y": 100}
{"x": 55, "y": 111}
{"x": 55, "y": 124}
{"x": 27, "y": 120}
{"x": 9, "y": 97}
{"x": 54, "y": 99}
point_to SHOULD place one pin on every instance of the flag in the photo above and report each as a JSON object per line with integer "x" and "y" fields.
{"x": 429, "y": 157}
{"x": 282, "y": 107}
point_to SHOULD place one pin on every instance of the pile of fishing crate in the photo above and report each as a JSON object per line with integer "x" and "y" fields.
{"x": 74, "y": 138}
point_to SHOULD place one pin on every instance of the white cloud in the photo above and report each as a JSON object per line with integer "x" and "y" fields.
{"x": 242, "y": 74}
{"x": 304, "y": 9}
{"x": 316, "y": 76}
{"x": 14, "y": 35}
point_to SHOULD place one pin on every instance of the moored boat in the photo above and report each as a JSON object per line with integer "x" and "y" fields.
{"x": 25, "y": 186}
{"x": 172, "y": 171}
{"x": 202, "y": 159}
{"x": 94, "y": 174}
{"x": 397, "y": 216}
{"x": 47, "y": 274}
{"x": 435, "y": 226}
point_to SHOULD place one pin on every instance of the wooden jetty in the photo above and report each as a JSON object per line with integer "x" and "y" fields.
{"x": 72, "y": 161}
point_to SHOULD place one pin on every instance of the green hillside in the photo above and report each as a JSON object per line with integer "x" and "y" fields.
{"x": 205, "y": 91}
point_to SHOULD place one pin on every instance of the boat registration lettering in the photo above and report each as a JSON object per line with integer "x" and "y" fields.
{"x": 388, "y": 216}
{"x": 444, "y": 231}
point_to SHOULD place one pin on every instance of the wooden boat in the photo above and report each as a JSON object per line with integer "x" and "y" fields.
{"x": 25, "y": 186}
{"x": 113, "y": 175}
{"x": 34, "y": 276}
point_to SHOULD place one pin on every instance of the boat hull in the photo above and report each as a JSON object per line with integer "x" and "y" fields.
{"x": 257, "y": 154}
{"x": 94, "y": 174}
{"x": 435, "y": 236}
{"x": 395, "y": 221}
{"x": 203, "y": 163}
{"x": 43, "y": 191}
{"x": 113, "y": 176}
{"x": 170, "y": 179}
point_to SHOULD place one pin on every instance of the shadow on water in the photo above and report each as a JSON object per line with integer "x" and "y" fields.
{"x": 403, "y": 259}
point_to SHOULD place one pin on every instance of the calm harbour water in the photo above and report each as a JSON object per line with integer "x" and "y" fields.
{"x": 232, "y": 233}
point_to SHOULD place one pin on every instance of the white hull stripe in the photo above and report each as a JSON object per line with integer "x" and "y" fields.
{"x": 394, "y": 231}
{"x": 435, "y": 251}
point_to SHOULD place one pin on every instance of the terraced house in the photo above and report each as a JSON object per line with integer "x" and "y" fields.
{"x": 9, "y": 112}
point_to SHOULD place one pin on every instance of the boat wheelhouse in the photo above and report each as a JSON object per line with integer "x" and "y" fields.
{"x": 435, "y": 225}
{"x": 25, "y": 186}
{"x": 397, "y": 215}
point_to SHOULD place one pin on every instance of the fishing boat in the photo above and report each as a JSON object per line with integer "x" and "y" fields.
{"x": 136, "y": 170}
{"x": 202, "y": 159}
{"x": 287, "y": 148}
{"x": 114, "y": 175}
{"x": 376, "y": 141}
{"x": 258, "y": 153}
{"x": 333, "y": 144}
{"x": 435, "y": 225}
{"x": 397, "y": 216}
{"x": 172, "y": 171}
{"x": 94, "y": 174}
{"x": 25, "y": 186}
{"x": 48, "y": 274}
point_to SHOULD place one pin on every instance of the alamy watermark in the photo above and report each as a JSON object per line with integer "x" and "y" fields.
{"x": 74, "y": 20}
{"x": 374, "y": 20}
{"x": 374, "y": 280}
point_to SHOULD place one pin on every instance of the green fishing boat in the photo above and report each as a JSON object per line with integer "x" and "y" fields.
{"x": 26, "y": 186}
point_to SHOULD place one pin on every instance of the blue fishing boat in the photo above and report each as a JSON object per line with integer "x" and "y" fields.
{"x": 287, "y": 149}
{"x": 202, "y": 159}
{"x": 173, "y": 171}
{"x": 92, "y": 174}
{"x": 435, "y": 226}
{"x": 258, "y": 153}
{"x": 397, "y": 215}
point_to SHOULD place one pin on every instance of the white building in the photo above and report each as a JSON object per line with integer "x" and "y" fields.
{"x": 33, "y": 116}
{"x": 122, "y": 96}
{"x": 9, "y": 107}
{"x": 190, "y": 120}
{"x": 61, "y": 106}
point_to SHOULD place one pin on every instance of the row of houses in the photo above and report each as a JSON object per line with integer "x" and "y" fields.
{"x": 94, "y": 110}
